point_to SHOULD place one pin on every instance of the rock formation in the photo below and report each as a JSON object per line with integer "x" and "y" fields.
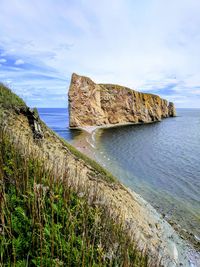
{"x": 171, "y": 110}
{"x": 141, "y": 221}
{"x": 92, "y": 104}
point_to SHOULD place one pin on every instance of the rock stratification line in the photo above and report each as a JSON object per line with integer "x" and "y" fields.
{"x": 92, "y": 104}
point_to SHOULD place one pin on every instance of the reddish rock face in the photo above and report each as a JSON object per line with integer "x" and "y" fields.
{"x": 92, "y": 104}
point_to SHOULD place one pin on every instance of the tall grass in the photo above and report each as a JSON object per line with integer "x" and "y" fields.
{"x": 11, "y": 102}
{"x": 8, "y": 99}
{"x": 45, "y": 222}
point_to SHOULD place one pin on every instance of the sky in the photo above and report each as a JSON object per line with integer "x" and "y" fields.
{"x": 148, "y": 45}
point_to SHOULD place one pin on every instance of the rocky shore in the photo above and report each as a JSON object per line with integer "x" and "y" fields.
{"x": 85, "y": 142}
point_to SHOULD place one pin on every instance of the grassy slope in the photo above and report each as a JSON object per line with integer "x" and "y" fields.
{"x": 46, "y": 223}
{"x": 105, "y": 174}
{"x": 9, "y": 100}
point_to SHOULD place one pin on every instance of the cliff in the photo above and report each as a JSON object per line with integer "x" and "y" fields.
{"x": 148, "y": 229}
{"x": 92, "y": 104}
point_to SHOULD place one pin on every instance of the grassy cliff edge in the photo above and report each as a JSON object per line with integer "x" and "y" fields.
{"x": 55, "y": 188}
{"x": 44, "y": 220}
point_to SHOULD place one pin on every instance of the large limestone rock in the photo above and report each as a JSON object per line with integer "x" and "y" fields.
{"x": 92, "y": 104}
{"x": 171, "y": 110}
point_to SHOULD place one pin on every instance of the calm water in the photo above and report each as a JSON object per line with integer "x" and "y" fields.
{"x": 57, "y": 119}
{"x": 160, "y": 161}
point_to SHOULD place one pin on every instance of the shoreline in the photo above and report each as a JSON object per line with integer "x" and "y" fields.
{"x": 146, "y": 227}
{"x": 83, "y": 144}
{"x": 91, "y": 129}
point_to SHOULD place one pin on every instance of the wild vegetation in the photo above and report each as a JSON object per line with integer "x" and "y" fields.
{"x": 8, "y": 99}
{"x": 44, "y": 221}
{"x": 107, "y": 176}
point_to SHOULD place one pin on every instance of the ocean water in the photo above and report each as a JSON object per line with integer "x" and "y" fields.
{"x": 58, "y": 120}
{"x": 159, "y": 161}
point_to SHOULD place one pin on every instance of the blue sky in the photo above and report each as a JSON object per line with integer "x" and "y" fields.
{"x": 149, "y": 45}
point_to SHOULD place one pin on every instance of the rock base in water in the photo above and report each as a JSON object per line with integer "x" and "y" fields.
{"x": 92, "y": 104}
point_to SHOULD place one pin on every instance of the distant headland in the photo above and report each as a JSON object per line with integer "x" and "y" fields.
{"x": 92, "y": 104}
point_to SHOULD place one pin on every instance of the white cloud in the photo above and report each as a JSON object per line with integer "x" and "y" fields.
{"x": 19, "y": 62}
{"x": 3, "y": 60}
{"x": 195, "y": 92}
{"x": 141, "y": 44}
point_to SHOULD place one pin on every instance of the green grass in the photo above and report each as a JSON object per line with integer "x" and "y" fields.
{"x": 10, "y": 100}
{"x": 44, "y": 222}
{"x": 105, "y": 174}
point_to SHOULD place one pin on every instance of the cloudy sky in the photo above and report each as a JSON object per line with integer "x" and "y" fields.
{"x": 149, "y": 45}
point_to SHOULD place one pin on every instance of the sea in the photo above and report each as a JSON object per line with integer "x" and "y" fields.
{"x": 159, "y": 161}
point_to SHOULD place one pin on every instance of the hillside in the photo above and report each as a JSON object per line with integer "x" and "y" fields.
{"x": 60, "y": 208}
